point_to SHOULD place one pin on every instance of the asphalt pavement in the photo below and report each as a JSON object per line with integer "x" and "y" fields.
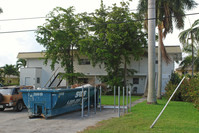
{"x": 19, "y": 122}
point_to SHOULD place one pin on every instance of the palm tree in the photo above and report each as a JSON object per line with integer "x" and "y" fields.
{"x": 10, "y": 70}
{"x": 168, "y": 12}
{"x": 187, "y": 61}
{"x": 21, "y": 63}
{"x": 151, "y": 99}
{"x": 191, "y": 34}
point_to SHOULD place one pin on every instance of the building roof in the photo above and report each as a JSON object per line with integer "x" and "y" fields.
{"x": 170, "y": 50}
{"x": 189, "y": 68}
{"x": 29, "y": 55}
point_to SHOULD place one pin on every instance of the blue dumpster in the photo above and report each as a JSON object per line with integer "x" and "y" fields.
{"x": 52, "y": 102}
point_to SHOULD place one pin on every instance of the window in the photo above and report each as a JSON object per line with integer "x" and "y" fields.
{"x": 135, "y": 80}
{"x": 15, "y": 91}
{"x": 156, "y": 62}
{"x": 38, "y": 80}
{"x": 184, "y": 72}
{"x": 84, "y": 62}
{"x": 83, "y": 80}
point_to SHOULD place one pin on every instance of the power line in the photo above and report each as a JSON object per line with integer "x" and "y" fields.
{"x": 21, "y": 18}
{"x": 16, "y": 31}
{"x": 95, "y": 24}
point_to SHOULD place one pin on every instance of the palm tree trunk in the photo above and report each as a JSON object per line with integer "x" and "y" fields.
{"x": 151, "y": 99}
{"x": 159, "y": 63}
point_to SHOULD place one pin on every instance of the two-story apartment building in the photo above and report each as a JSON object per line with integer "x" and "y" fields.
{"x": 38, "y": 74}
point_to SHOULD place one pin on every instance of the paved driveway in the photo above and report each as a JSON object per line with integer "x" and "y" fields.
{"x": 18, "y": 122}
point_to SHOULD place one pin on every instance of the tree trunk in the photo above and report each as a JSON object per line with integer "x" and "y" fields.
{"x": 159, "y": 63}
{"x": 151, "y": 98}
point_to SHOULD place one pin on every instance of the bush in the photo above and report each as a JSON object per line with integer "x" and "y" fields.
{"x": 169, "y": 91}
{"x": 188, "y": 91}
{"x": 171, "y": 86}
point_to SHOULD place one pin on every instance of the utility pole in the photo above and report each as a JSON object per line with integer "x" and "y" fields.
{"x": 151, "y": 98}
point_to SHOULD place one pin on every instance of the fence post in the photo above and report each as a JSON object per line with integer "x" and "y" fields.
{"x": 88, "y": 100}
{"x": 82, "y": 101}
{"x": 130, "y": 97}
{"x": 114, "y": 98}
{"x": 100, "y": 98}
{"x": 127, "y": 99}
{"x": 119, "y": 101}
{"x": 123, "y": 100}
{"x": 95, "y": 99}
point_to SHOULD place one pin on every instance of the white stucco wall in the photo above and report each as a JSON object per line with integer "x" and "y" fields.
{"x": 28, "y": 76}
{"x": 45, "y": 71}
{"x": 89, "y": 69}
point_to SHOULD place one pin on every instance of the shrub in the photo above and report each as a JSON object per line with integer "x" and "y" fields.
{"x": 169, "y": 91}
{"x": 171, "y": 86}
{"x": 188, "y": 91}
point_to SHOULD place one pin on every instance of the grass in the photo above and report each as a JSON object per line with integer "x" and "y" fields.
{"x": 179, "y": 117}
{"x": 109, "y": 100}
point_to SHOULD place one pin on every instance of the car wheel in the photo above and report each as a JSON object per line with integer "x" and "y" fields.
{"x": 19, "y": 106}
{"x": 2, "y": 109}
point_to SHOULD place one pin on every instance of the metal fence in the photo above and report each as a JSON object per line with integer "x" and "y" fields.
{"x": 121, "y": 108}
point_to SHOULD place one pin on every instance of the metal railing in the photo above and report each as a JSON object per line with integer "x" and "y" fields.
{"x": 52, "y": 77}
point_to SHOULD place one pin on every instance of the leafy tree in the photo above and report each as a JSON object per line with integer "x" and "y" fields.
{"x": 60, "y": 35}
{"x": 168, "y": 13}
{"x": 115, "y": 38}
{"x": 191, "y": 34}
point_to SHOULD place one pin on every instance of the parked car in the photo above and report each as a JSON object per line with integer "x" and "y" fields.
{"x": 11, "y": 97}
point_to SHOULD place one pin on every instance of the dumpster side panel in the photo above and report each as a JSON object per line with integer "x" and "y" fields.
{"x": 51, "y": 102}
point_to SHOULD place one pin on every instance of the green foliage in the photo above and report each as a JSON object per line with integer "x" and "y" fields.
{"x": 115, "y": 38}
{"x": 169, "y": 91}
{"x": 1, "y": 75}
{"x": 190, "y": 34}
{"x": 60, "y": 35}
{"x": 188, "y": 91}
{"x": 10, "y": 70}
{"x": 175, "y": 78}
{"x": 21, "y": 63}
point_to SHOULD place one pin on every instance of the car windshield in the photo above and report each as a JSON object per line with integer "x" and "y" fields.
{"x": 6, "y": 91}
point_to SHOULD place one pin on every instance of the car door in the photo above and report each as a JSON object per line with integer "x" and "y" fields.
{"x": 16, "y": 95}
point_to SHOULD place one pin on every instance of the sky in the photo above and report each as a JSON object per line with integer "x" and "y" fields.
{"x": 13, "y": 43}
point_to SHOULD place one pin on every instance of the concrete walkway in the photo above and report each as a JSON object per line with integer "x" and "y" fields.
{"x": 138, "y": 101}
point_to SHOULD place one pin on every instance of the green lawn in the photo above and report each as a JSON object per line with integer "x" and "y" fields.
{"x": 109, "y": 100}
{"x": 179, "y": 117}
